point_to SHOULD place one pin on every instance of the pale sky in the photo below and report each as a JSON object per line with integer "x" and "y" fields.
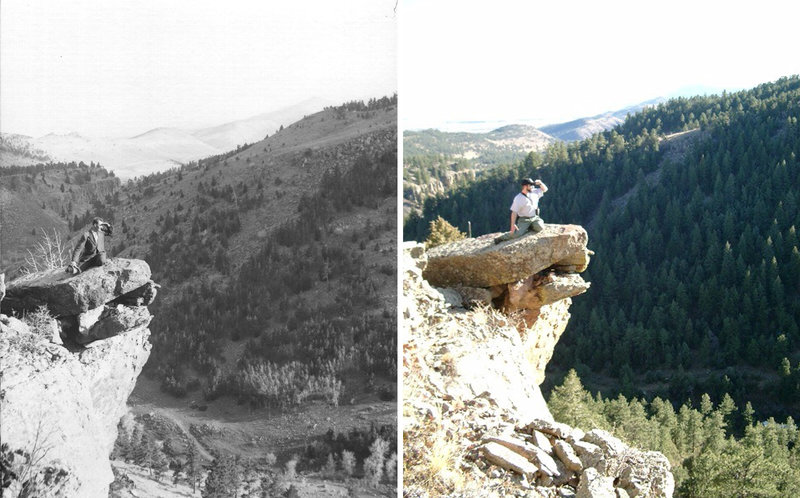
{"x": 545, "y": 62}
{"x": 121, "y": 67}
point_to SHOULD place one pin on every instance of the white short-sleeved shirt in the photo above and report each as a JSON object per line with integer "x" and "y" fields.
{"x": 526, "y": 205}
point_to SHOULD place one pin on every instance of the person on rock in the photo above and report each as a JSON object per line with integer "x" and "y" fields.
{"x": 524, "y": 211}
{"x": 90, "y": 250}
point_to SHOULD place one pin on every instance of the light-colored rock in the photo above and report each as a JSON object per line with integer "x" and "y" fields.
{"x": 67, "y": 294}
{"x": 621, "y": 493}
{"x": 567, "y": 455}
{"x": 542, "y": 441}
{"x": 546, "y": 463}
{"x": 595, "y": 485}
{"x": 451, "y": 297}
{"x": 590, "y": 454}
{"x": 114, "y": 321}
{"x": 474, "y": 296}
{"x": 88, "y": 318}
{"x": 537, "y": 290}
{"x": 557, "y": 429}
{"x": 479, "y": 262}
{"x": 508, "y": 459}
{"x": 514, "y": 444}
{"x": 70, "y": 402}
{"x": 611, "y": 446}
{"x": 540, "y": 338}
{"x": 646, "y": 474}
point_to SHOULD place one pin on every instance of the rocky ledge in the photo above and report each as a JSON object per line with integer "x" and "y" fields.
{"x": 480, "y": 323}
{"x": 66, "y": 380}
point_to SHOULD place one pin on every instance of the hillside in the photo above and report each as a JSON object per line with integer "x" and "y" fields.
{"x": 276, "y": 321}
{"x": 582, "y": 128}
{"x": 695, "y": 287}
{"x": 18, "y": 150}
{"x": 434, "y": 161}
{"x": 155, "y": 150}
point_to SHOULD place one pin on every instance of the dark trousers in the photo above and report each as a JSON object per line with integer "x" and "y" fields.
{"x": 98, "y": 259}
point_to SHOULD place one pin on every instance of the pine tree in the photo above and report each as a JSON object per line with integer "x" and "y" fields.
{"x": 441, "y": 232}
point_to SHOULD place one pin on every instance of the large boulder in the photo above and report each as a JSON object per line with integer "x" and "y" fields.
{"x": 478, "y": 262}
{"x": 112, "y": 320}
{"x": 67, "y": 294}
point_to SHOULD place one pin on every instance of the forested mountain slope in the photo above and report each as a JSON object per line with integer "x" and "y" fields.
{"x": 276, "y": 260}
{"x": 696, "y": 281}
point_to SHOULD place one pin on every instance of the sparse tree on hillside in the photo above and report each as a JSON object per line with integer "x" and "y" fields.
{"x": 224, "y": 478}
{"x": 193, "y": 465}
{"x": 373, "y": 465}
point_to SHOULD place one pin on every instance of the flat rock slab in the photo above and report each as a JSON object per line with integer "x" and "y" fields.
{"x": 480, "y": 263}
{"x": 68, "y": 294}
{"x": 508, "y": 459}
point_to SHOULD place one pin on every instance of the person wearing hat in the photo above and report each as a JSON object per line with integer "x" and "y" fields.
{"x": 91, "y": 248}
{"x": 524, "y": 210}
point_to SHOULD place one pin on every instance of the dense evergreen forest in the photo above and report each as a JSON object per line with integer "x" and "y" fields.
{"x": 715, "y": 450}
{"x": 692, "y": 209}
{"x": 296, "y": 347}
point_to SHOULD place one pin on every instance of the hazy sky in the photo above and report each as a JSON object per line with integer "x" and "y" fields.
{"x": 119, "y": 68}
{"x": 552, "y": 61}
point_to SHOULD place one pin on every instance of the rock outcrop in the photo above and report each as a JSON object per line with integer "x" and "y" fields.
{"x": 61, "y": 404}
{"x": 475, "y": 353}
{"x": 479, "y": 262}
{"x": 66, "y": 294}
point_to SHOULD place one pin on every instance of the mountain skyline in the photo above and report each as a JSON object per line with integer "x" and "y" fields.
{"x": 162, "y": 147}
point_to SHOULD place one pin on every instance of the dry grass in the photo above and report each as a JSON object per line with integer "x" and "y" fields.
{"x": 432, "y": 454}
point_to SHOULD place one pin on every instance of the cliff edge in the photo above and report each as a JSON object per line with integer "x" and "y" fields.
{"x": 67, "y": 373}
{"x": 480, "y": 324}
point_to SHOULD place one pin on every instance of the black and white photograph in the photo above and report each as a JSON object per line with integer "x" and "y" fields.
{"x": 601, "y": 264}
{"x": 198, "y": 247}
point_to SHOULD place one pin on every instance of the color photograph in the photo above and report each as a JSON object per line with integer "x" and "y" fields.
{"x": 601, "y": 276}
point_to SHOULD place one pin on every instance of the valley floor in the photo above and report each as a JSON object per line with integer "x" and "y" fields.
{"x": 254, "y": 433}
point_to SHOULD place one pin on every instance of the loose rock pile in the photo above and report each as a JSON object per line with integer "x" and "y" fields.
{"x": 586, "y": 465}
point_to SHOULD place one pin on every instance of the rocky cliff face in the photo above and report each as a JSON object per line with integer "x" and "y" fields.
{"x": 66, "y": 380}
{"x": 475, "y": 351}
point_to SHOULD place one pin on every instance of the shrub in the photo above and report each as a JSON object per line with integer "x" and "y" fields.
{"x": 441, "y": 232}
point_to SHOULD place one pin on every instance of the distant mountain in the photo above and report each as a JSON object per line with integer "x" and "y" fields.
{"x": 483, "y": 148}
{"x": 586, "y": 127}
{"x": 18, "y": 150}
{"x": 227, "y": 136}
{"x": 435, "y": 161}
{"x": 155, "y": 150}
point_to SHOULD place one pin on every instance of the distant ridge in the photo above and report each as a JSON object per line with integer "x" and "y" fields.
{"x": 154, "y": 150}
{"x": 581, "y": 128}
